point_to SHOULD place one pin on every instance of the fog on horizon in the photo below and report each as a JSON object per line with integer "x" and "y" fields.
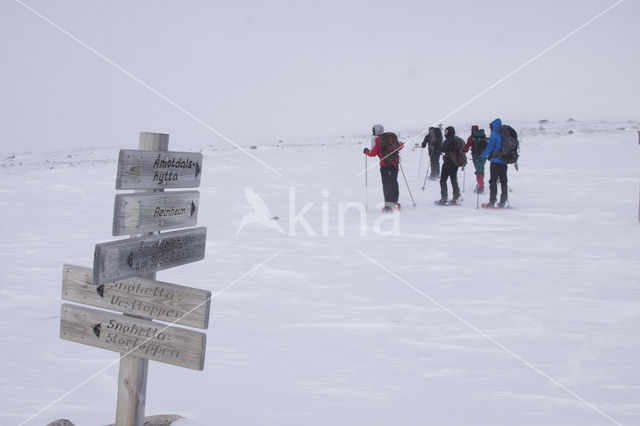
{"x": 258, "y": 72}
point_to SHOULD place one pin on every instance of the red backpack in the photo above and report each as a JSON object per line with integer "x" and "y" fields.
{"x": 390, "y": 147}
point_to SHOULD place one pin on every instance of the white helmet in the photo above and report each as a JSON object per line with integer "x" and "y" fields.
{"x": 377, "y": 129}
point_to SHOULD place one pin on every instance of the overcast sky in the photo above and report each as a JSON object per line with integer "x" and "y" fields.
{"x": 259, "y": 71}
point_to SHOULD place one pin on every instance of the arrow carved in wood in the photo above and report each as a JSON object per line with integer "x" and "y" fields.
{"x": 96, "y": 330}
{"x": 193, "y": 208}
{"x": 130, "y": 260}
{"x": 198, "y": 169}
{"x": 100, "y": 290}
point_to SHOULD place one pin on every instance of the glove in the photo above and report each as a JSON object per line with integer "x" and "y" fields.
{"x": 424, "y": 144}
{"x": 366, "y": 151}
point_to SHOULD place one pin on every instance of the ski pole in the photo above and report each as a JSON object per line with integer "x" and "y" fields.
{"x": 464, "y": 178}
{"x": 477, "y": 197}
{"x": 407, "y": 183}
{"x": 420, "y": 166}
{"x": 425, "y": 176}
{"x": 366, "y": 182}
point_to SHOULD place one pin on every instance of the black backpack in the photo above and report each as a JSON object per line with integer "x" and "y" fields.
{"x": 437, "y": 140}
{"x": 510, "y": 145}
{"x": 390, "y": 147}
{"x": 433, "y": 140}
{"x": 457, "y": 154}
{"x": 480, "y": 141}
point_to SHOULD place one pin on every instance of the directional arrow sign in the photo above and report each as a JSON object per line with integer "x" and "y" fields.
{"x": 139, "y": 169}
{"x": 122, "y": 259}
{"x": 138, "y": 213}
{"x": 136, "y": 337}
{"x": 138, "y": 296}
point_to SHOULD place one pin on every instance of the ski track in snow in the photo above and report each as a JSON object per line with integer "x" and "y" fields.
{"x": 321, "y": 335}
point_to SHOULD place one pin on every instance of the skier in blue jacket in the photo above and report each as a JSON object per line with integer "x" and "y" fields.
{"x": 498, "y": 167}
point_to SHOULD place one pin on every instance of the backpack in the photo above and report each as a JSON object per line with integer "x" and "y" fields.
{"x": 480, "y": 141}
{"x": 436, "y": 140}
{"x": 390, "y": 147}
{"x": 457, "y": 154}
{"x": 510, "y": 145}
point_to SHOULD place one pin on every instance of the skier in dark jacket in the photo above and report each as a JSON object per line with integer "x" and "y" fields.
{"x": 498, "y": 168}
{"x": 449, "y": 168}
{"x": 433, "y": 139}
{"x": 389, "y": 163}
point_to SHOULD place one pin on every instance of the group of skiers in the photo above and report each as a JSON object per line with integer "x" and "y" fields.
{"x": 386, "y": 146}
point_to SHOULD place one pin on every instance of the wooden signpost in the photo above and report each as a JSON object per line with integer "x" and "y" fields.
{"x": 138, "y": 296}
{"x": 139, "y": 212}
{"x": 139, "y": 169}
{"x": 121, "y": 259}
{"x": 123, "y": 276}
{"x": 133, "y": 337}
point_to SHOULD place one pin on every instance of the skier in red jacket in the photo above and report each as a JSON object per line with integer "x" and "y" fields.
{"x": 387, "y": 148}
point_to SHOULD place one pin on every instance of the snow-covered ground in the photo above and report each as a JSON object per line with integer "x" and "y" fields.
{"x": 459, "y": 316}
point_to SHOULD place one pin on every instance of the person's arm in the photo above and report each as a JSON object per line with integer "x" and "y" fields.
{"x": 374, "y": 152}
{"x": 490, "y": 146}
{"x": 376, "y": 149}
{"x": 468, "y": 144}
{"x": 426, "y": 140}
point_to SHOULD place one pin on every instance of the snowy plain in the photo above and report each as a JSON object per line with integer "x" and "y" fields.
{"x": 529, "y": 316}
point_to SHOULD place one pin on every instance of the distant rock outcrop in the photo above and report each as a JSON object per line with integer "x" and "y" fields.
{"x": 61, "y": 422}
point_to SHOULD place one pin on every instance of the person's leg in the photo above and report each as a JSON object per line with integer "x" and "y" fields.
{"x": 444, "y": 175}
{"x": 504, "y": 188}
{"x": 384, "y": 172}
{"x": 493, "y": 185}
{"x": 475, "y": 161}
{"x": 395, "y": 189}
{"x": 435, "y": 164}
{"x": 479, "y": 165}
{"x": 454, "y": 182}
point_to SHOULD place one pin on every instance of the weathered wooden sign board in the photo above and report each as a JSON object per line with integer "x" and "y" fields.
{"x": 123, "y": 275}
{"x": 139, "y": 296}
{"x": 117, "y": 260}
{"x": 136, "y": 337}
{"x": 146, "y": 212}
{"x": 138, "y": 169}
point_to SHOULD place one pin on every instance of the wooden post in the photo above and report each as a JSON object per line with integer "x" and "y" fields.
{"x": 132, "y": 378}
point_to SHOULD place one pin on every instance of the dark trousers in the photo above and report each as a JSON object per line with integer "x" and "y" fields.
{"x": 434, "y": 157}
{"x": 498, "y": 172}
{"x": 449, "y": 170}
{"x": 390, "y": 183}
